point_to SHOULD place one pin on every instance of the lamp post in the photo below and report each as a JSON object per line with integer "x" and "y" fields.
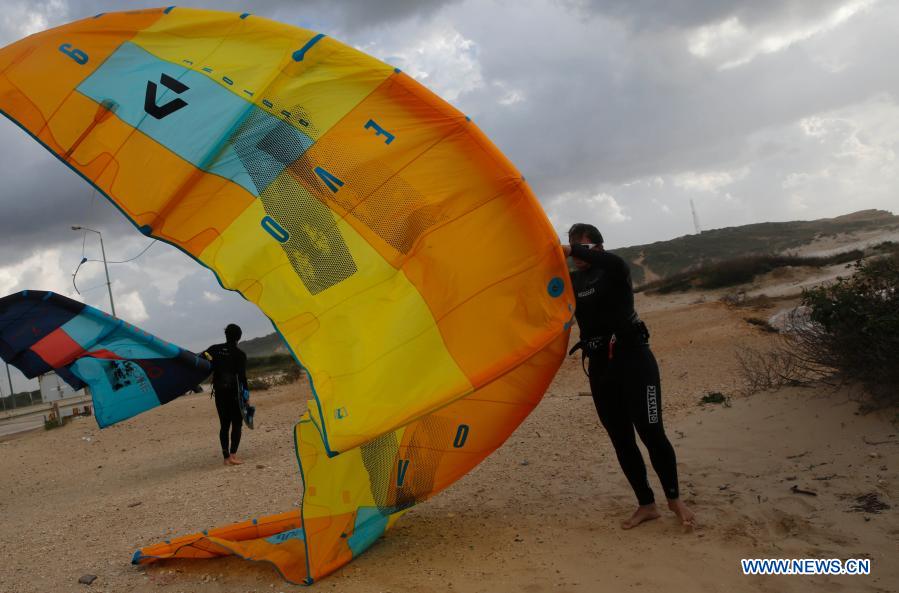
{"x": 105, "y": 265}
{"x": 12, "y": 392}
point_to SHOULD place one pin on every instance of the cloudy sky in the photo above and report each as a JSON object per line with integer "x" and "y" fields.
{"x": 618, "y": 112}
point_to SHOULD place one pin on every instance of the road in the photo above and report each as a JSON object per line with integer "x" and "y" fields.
{"x": 30, "y": 417}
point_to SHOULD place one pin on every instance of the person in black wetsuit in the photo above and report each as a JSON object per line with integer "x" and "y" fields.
{"x": 623, "y": 373}
{"x": 229, "y": 377}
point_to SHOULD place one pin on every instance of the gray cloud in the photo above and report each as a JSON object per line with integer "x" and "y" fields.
{"x": 651, "y": 14}
{"x": 29, "y": 16}
{"x": 604, "y": 105}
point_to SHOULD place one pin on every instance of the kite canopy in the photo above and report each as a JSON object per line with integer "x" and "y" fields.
{"x": 128, "y": 370}
{"x": 400, "y": 255}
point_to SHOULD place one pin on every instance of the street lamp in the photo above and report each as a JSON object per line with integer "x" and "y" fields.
{"x": 105, "y": 265}
{"x": 12, "y": 392}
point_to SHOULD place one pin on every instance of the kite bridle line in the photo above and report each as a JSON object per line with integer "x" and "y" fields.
{"x": 85, "y": 260}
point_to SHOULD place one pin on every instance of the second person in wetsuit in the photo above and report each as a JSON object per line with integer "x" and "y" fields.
{"x": 624, "y": 375}
{"x": 229, "y": 378}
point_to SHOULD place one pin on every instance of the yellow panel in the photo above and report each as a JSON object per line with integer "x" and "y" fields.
{"x": 248, "y": 51}
{"x": 433, "y": 452}
{"x": 256, "y": 55}
{"x": 376, "y": 319}
{"x": 331, "y": 80}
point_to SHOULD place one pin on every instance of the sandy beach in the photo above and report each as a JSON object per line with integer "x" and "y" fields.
{"x": 541, "y": 514}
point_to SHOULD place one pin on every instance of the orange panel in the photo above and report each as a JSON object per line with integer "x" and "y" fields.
{"x": 367, "y": 149}
{"x": 58, "y": 348}
{"x": 493, "y": 413}
{"x": 142, "y": 175}
{"x": 475, "y": 305}
{"x": 26, "y": 67}
{"x": 327, "y": 537}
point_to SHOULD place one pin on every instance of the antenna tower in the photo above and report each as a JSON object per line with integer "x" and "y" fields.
{"x": 695, "y": 217}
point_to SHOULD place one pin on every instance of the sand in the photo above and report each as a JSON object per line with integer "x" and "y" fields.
{"x": 541, "y": 514}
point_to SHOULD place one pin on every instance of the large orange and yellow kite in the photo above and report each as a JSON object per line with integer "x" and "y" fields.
{"x": 399, "y": 254}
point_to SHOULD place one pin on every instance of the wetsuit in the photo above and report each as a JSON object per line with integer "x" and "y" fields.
{"x": 229, "y": 377}
{"x": 624, "y": 375}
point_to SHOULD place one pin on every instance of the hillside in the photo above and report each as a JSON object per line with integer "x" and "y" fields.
{"x": 666, "y": 258}
{"x": 264, "y": 346}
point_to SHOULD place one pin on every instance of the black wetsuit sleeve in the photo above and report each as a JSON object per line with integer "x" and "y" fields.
{"x": 590, "y": 256}
{"x": 601, "y": 259}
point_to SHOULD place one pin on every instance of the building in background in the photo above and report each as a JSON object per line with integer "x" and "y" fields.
{"x": 54, "y": 389}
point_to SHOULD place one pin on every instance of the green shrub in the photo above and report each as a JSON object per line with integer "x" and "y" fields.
{"x": 274, "y": 361}
{"x": 713, "y": 397}
{"x": 257, "y": 385}
{"x": 51, "y": 423}
{"x": 291, "y": 375}
{"x": 858, "y": 321}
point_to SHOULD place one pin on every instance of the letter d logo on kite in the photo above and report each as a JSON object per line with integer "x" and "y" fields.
{"x": 161, "y": 111}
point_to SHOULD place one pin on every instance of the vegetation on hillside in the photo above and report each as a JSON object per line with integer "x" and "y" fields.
{"x": 267, "y": 371}
{"x": 667, "y": 258}
{"x": 742, "y": 270}
{"x": 264, "y": 346}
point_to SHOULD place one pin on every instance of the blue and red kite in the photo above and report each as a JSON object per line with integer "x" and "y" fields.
{"x": 127, "y": 369}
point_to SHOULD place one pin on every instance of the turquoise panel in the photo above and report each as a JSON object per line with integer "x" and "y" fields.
{"x": 200, "y": 123}
{"x": 369, "y": 526}
{"x": 119, "y": 389}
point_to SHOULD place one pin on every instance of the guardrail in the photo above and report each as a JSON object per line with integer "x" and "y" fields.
{"x": 42, "y": 408}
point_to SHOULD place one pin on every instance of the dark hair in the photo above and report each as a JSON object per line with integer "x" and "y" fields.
{"x": 580, "y": 229}
{"x": 233, "y": 332}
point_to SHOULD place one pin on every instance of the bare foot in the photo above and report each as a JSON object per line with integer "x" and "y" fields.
{"x": 233, "y": 460}
{"x": 686, "y": 516}
{"x": 646, "y": 512}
